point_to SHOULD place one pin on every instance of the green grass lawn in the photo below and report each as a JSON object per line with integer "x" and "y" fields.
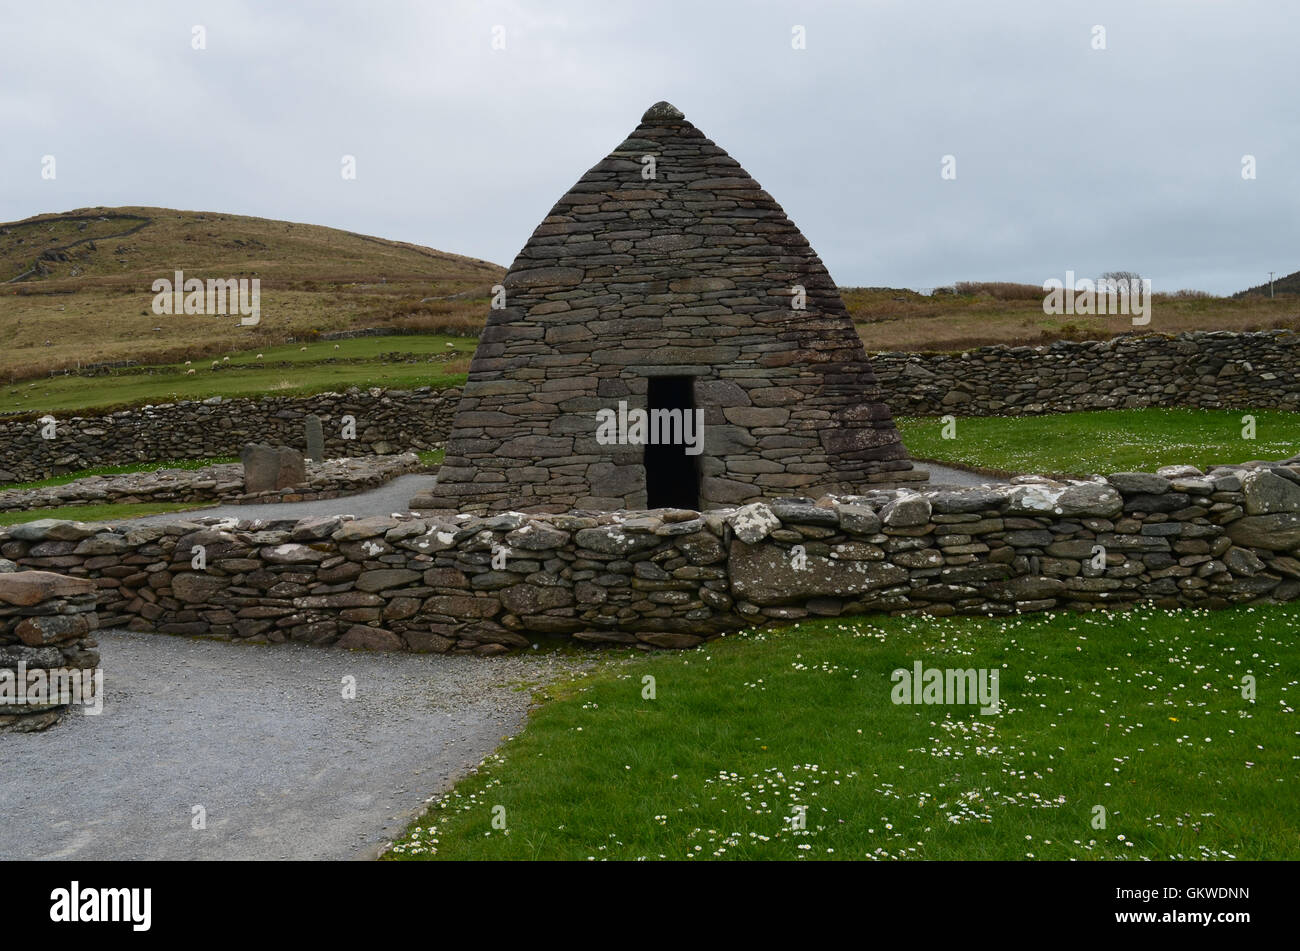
{"x": 101, "y": 513}
{"x": 1106, "y": 441}
{"x": 309, "y": 371}
{"x": 1140, "y": 713}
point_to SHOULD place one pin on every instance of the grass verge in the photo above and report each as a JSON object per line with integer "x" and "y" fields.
{"x": 1106, "y": 441}
{"x": 100, "y": 513}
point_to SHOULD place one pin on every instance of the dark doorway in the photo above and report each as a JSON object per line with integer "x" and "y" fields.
{"x": 671, "y": 475}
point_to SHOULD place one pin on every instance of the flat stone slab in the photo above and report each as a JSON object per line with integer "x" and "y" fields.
{"x": 26, "y": 588}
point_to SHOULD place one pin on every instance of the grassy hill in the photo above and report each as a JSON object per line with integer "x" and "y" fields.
{"x": 75, "y": 288}
{"x": 975, "y": 314}
{"x": 1282, "y": 285}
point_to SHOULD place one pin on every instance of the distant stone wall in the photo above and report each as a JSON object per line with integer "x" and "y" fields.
{"x": 219, "y": 483}
{"x": 387, "y": 421}
{"x": 1207, "y": 370}
{"x": 673, "y": 578}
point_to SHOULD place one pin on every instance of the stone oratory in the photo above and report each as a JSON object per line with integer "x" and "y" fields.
{"x": 667, "y": 338}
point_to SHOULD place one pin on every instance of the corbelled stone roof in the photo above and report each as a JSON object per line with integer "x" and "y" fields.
{"x": 667, "y": 259}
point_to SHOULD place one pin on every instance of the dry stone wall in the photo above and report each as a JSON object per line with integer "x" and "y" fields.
{"x": 672, "y": 578}
{"x": 1207, "y": 370}
{"x": 47, "y": 624}
{"x": 219, "y": 483}
{"x": 387, "y": 421}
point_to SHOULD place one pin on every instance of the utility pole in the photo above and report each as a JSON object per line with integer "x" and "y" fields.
{"x": 1270, "y": 284}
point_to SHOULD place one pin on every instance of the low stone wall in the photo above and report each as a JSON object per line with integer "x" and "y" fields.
{"x": 330, "y": 479}
{"x": 1206, "y": 370}
{"x": 46, "y": 623}
{"x": 672, "y": 578}
{"x": 387, "y": 421}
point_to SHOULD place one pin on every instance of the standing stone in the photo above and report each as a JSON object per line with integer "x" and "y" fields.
{"x": 272, "y": 467}
{"x": 315, "y": 439}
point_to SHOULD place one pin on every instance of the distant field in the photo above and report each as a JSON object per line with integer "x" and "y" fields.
{"x": 90, "y": 299}
{"x": 83, "y": 296}
{"x": 889, "y": 319}
{"x": 1122, "y": 440}
{"x": 285, "y": 370}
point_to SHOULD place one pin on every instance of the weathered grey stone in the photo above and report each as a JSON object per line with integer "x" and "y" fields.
{"x": 272, "y": 467}
{"x": 359, "y": 637}
{"x": 967, "y": 500}
{"x": 536, "y": 536}
{"x": 1069, "y": 500}
{"x": 1243, "y": 561}
{"x": 613, "y": 540}
{"x": 1132, "y": 483}
{"x": 803, "y": 513}
{"x": 1267, "y": 493}
{"x": 315, "y": 436}
{"x": 906, "y": 512}
{"x": 381, "y": 579}
{"x": 360, "y": 529}
{"x": 858, "y": 519}
{"x": 194, "y": 588}
{"x": 533, "y": 599}
{"x": 43, "y": 529}
{"x": 765, "y": 574}
{"x": 754, "y": 522}
{"x": 291, "y": 554}
{"x": 52, "y": 628}
{"x": 1277, "y": 532}
{"x": 27, "y": 588}
{"x": 102, "y": 544}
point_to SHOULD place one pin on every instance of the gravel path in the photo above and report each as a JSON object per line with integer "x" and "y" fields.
{"x": 262, "y": 739}
{"x": 394, "y": 496}
{"x": 944, "y": 477}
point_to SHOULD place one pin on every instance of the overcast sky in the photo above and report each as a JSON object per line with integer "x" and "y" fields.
{"x": 1067, "y": 157}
